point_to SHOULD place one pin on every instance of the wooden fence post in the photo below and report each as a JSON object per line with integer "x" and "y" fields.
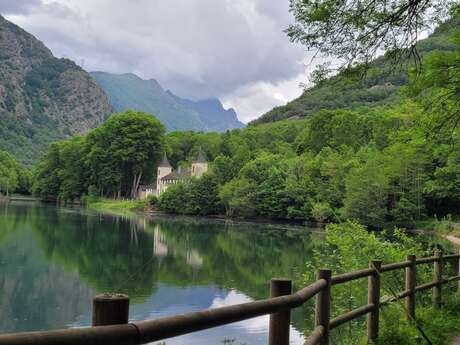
{"x": 110, "y": 309}
{"x": 323, "y": 305}
{"x": 373, "y": 297}
{"x": 279, "y": 326}
{"x": 437, "y": 278}
{"x": 411, "y": 283}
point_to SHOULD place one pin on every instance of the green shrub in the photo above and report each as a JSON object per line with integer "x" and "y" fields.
{"x": 321, "y": 211}
{"x": 196, "y": 197}
{"x": 349, "y": 247}
{"x": 152, "y": 200}
{"x": 438, "y": 325}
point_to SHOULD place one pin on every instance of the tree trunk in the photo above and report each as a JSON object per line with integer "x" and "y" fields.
{"x": 133, "y": 186}
{"x": 136, "y": 182}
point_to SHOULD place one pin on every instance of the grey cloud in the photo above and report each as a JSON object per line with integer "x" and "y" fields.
{"x": 198, "y": 48}
{"x": 14, "y": 7}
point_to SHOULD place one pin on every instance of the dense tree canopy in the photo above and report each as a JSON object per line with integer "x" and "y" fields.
{"x": 13, "y": 176}
{"x": 110, "y": 161}
{"x": 123, "y": 149}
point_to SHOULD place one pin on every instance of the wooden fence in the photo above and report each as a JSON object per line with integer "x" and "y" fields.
{"x": 110, "y": 313}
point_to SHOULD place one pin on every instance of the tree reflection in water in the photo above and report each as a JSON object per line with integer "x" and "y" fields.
{"x": 53, "y": 260}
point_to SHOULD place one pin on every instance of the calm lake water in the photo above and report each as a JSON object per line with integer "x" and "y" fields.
{"x": 54, "y": 260}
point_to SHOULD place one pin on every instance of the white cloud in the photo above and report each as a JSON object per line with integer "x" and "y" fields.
{"x": 255, "y": 325}
{"x": 254, "y": 99}
{"x": 233, "y": 49}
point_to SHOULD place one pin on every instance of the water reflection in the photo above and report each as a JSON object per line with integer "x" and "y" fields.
{"x": 35, "y": 294}
{"x": 53, "y": 260}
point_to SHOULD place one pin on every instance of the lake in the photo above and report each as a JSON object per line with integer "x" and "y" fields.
{"x": 54, "y": 260}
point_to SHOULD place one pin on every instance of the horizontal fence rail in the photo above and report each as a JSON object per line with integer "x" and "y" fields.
{"x": 110, "y": 312}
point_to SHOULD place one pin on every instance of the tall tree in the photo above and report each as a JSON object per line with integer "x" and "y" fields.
{"x": 366, "y": 193}
{"x": 8, "y": 173}
{"x": 125, "y": 147}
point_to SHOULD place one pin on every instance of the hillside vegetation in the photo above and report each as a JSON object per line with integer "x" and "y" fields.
{"x": 380, "y": 85}
{"x": 128, "y": 91}
{"x": 42, "y": 98}
{"x": 13, "y": 176}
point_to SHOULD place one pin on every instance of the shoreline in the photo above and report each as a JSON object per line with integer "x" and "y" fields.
{"x": 260, "y": 221}
{"x": 111, "y": 208}
{"x": 141, "y": 207}
{"x": 152, "y": 213}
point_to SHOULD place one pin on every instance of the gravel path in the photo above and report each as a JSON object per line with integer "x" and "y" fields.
{"x": 454, "y": 240}
{"x": 456, "y": 341}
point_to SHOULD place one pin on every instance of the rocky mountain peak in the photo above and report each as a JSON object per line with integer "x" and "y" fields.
{"x": 42, "y": 98}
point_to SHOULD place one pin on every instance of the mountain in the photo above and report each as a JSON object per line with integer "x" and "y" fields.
{"x": 212, "y": 113}
{"x": 42, "y": 98}
{"x": 380, "y": 85}
{"x": 128, "y": 91}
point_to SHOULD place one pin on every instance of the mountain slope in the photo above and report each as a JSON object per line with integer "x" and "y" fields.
{"x": 42, "y": 98}
{"x": 212, "y": 113}
{"x": 380, "y": 85}
{"x": 128, "y": 91}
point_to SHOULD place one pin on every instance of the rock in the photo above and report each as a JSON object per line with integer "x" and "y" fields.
{"x": 42, "y": 98}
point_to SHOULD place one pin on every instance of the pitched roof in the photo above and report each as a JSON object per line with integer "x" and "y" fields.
{"x": 177, "y": 175}
{"x": 144, "y": 187}
{"x": 200, "y": 158}
{"x": 165, "y": 163}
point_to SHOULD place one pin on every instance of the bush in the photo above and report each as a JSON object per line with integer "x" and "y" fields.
{"x": 439, "y": 325}
{"x": 349, "y": 247}
{"x": 321, "y": 211}
{"x": 152, "y": 200}
{"x": 197, "y": 197}
{"x": 173, "y": 199}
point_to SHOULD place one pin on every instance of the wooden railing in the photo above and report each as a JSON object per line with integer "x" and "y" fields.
{"x": 110, "y": 313}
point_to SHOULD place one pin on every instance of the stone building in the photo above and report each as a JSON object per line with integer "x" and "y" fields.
{"x": 167, "y": 176}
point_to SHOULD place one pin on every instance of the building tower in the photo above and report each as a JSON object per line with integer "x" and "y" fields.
{"x": 163, "y": 169}
{"x": 200, "y": 165}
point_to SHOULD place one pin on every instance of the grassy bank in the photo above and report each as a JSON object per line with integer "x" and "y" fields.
{"x": 117, "y": 205}
{"x": 443, "y": 226}
{"x": 440, "y": 326}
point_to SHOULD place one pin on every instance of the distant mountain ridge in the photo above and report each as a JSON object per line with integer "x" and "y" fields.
{"x": 128, "y": 91}
{"x": 42, "y": 98}
{"x": 212, "y": 113}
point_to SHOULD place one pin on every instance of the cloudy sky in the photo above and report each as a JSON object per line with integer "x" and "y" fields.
{"x": 232, "y": 49}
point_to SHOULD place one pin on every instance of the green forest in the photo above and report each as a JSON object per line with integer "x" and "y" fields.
{"x": 393, "y": 162}
{"x": 110, "y": 161}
